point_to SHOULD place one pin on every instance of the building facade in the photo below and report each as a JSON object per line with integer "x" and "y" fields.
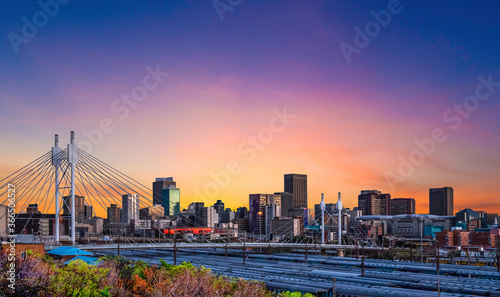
{"x": 297, "y": 185}
{"x": 130, "y": 204}
{"x": 400, "y": 206}
{"x": 158, "y": 185}
{"x": 256, "y": 219}
{"x": 373, "y": 202}
{"x": 171, "y": 200}
{"x": 114, "y": 214}
{"x": 441, "y": 201}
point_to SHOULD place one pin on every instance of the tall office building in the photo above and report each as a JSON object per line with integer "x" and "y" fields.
{"x": 130, "y": 204}
{"x": 195, "y": 209}
{"x": 441, "y": 201}
{"x": 241, "y": 212}
{"x": 80, "y": 208}
{"x": 219, "y": 206}
{"x": 373, "y": 202}
{"x": 158, "y": 185}
{"x": 210, "y": 217}
{"x": 297, "y": 185}
{"x": 401, "y": 206}
{"x": 285, "y": 200}
{"x": 114, "y": 214}
{"x": 226, "y": 216}
{"x": 272, "y": 211}
{"x": 171, "y": 200}
{"x": 256, "y": 213}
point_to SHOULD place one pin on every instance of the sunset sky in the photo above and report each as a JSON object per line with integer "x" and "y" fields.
{"x": 352, "y": 126}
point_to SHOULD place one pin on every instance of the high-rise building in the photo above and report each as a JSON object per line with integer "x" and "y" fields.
{"x": 297, "y": 185}
{"x": 219, "y": 206}
{"x": 441, "y": 201}
{"x": 226, "y": 216}
{"x": 114, "y": 214}
{"x": 89, "y": 211}
{"x": 158, "y": 185}
{"x": 80, "y": 214}
{"x": 285, "y": 200}
{"x": 130, "y": 204}
{"x": 256, "y": 219}
{"x": 402, "y": 206}
{"x": 171, "y": 200}
{"x": 241, "y": 212}
{"x": 373, "y": 202}
{"x": 210, "y": 217}
{"x": 272, "y": 211}
{"x": 195, "y": 209}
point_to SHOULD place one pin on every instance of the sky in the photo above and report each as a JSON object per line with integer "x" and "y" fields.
{"x": 228, "y": 96}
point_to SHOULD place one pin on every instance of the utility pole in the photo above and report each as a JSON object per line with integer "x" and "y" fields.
{"x": 363, "y": 262}
{"x": 244, "y": 248}
{"x": 322, "y": 206}
{"x": 498, "y": 253}
{"x": 175, "y": 249}
{"x": 437, "y": 260}
{"x": 363, "y": 266}
{"x": 306, "y": 253}
{"x": 339, "y": 209}
{"x": 421, "y": 220}
{"x": 356, "y": 247}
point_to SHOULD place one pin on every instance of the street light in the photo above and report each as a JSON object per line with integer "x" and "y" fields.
{"x": 421, "y": 220}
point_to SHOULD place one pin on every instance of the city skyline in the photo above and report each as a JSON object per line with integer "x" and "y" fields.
{"x": 270, "y": 92}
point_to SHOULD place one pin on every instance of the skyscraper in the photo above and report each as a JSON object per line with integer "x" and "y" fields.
{"x": 171, "y": 200}
{"x": 130, "y": 204}
{"x": 158, "y": 185}
{"x": 272, "y": 211}
{"x": 219, "y": 206}
{"x": 402, "y": 206}
{"x": 114, "y": 214}
{"x": 373, "y": 202}
{"x": 195, "y": 210}
{"x": 285, "y": 200}
{"x": 297, "y": 185}
{"x": 79, "y": 208}
{"x": 441, "y": 201}
{"x": 256, "y": 219}
{"x": 210, "y": 217}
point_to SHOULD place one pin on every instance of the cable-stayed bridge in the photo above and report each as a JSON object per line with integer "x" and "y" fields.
{"x": 70, "y": 186}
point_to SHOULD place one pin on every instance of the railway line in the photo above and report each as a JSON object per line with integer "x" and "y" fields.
{"x": 291, "y": 272}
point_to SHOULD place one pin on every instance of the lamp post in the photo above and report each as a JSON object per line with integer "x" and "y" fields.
{"x": 421, "y": 221}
